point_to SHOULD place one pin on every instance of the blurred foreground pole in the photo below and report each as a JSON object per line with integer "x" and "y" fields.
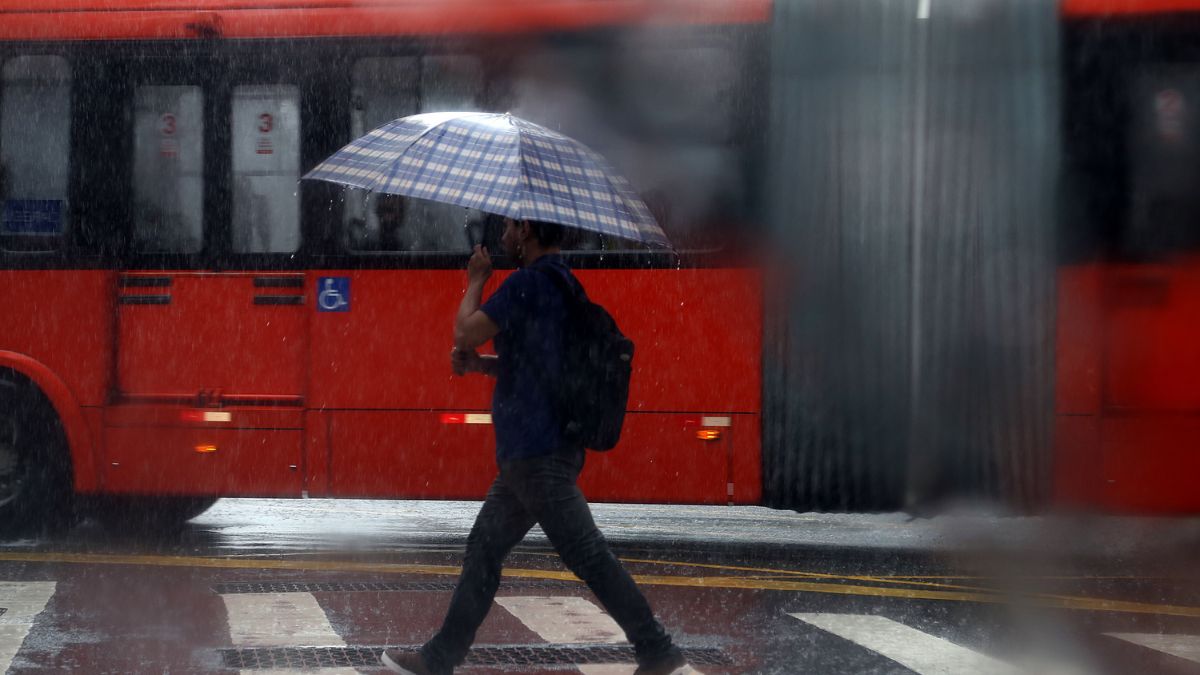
{"x": 914, "y": 157}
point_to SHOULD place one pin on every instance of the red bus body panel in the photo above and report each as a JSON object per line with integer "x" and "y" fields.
{"x": 358, "y": 401}
{"x": 269, "y": 19}
{"x": 1128, "y": 406}
{"x": 1111, "y": 8}
{"x": 382, "y": 372}
{"x": 216, "y": 333}
{"x": 61, "y": 338}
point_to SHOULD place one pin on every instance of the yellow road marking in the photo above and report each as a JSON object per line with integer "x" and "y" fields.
{"x": 732, "y": 582}
{"x": 1050, "y": 577}
{"x": 819, "y": 575}
{"x": 880, "y": 579}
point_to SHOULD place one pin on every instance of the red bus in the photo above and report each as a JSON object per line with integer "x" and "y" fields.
{"x": 1127, "y": 430}
{"x": 184, "y": 320}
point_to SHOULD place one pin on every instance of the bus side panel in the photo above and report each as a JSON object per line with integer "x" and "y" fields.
{"x": 746, "y": 474}
{"x": 1150, "y": 463}
{"x": 238, "y": 20}
{"x": 1078, "y": 481}
{"x": 1079, "y": 341}
{"x": 398, "y": 417}
{"x": 662, "y": 459}
{"x": 62, "y": 319}
{"x": 697, "y": 335}
{"x": 697, "y": 332}
{"x": 316, "y": 453}
{"x": 244, "y": 451}
{"x": 390, "y": 347}
{"x": 1078, "y": 476}
{"x": 409, "y": 454}
{"x": 659, "y": 460}
{"x": 1152, "y": 328}
{"x": 1126, "y": 430}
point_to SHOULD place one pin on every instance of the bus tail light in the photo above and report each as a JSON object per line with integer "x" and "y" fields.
{"x": 205, "y": 448}
{"x": 466, "y": 418}
{"x": 206, "y": 416}
{"x": 709, "y": 434}
{"x": 708, "y": 421}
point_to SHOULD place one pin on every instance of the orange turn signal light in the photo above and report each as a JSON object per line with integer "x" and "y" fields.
{"x": 206, "y": 448}
{"x": 709, "y": 434}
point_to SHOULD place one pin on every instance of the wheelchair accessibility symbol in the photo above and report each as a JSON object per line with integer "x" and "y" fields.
{"x": 334, "y": 294}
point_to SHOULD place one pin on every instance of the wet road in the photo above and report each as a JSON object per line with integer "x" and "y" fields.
{"x": 260, "y": 586}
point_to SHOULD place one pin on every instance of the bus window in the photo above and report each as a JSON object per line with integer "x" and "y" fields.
{"x": 35, "y": 123}
{"x": 450, "y": 82}
{"x": 679, "y": 148}
{"x": 266, "y": 168}
{"x": 388, "y": 88}
{"x": 1164, "y": 164}
{"x": 660, "y": 108}
{"x": 383, "y": 89}
{"x": 168, "y": 161}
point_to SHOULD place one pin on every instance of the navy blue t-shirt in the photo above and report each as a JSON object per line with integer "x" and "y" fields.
{"x": 531, "y": 312}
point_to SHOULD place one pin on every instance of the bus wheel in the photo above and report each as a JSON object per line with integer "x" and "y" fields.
{"x": 137, "y": 514}
{"x": 36, "y": 491}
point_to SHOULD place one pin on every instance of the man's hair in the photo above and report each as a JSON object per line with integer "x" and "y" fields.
{"x": 385, "y": 199}
{"x": 548, "y": 234}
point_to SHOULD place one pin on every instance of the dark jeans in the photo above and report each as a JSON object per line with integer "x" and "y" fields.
{"x": 541, "y": 490}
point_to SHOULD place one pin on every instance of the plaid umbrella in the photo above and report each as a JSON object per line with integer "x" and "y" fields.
{"x": 495, "y": 163}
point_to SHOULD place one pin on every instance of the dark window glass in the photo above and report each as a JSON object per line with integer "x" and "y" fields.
{"x": 35, "y": 124}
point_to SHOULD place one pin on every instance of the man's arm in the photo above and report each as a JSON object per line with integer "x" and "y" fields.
{"x": 472, "y": 328}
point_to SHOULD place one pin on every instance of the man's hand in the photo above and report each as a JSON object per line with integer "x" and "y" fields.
{"x": 463, "y": 361}
{"x": 472, "y": 327}
{"x": 479, "y": 267}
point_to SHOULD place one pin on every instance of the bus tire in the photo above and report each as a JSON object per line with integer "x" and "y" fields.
{"x": 142, "y": 514}
{"x": 37, "y": 493}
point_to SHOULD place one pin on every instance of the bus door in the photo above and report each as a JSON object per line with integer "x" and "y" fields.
{"x": 212, "y": 325}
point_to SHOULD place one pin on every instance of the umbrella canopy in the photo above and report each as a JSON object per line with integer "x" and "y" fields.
{"x": 496, "y": 163}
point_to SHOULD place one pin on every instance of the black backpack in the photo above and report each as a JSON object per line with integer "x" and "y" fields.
{"x": 593, "y": 387}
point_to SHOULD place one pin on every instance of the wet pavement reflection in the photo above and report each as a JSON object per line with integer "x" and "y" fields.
{"x": 320, "y": 586}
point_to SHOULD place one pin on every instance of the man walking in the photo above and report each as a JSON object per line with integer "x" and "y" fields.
{"x": 538, "y": 468}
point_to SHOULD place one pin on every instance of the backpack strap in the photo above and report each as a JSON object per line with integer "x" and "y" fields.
{"x": 572, "y": 292}
{"x": 571, "y": 297}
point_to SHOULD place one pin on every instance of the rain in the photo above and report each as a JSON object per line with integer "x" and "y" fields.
{"x": 753, "y": 336}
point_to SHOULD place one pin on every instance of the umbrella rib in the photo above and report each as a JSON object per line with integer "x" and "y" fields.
{"x": 392, "y": 170}
{"x": 380, "y": 164}
{"x": 524, "y": 190}
{"x": 560, "y": 150}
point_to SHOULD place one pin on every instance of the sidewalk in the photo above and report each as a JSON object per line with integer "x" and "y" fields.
{"x": 371, "y": 523}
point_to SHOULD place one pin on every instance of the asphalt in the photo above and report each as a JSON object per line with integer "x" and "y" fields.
{"x": 321, "y": 586}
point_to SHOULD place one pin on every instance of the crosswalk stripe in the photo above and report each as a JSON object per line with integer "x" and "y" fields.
{"x": 22, "y": 602}
{"x": 606, "y": 668}
{"x": 1182, "y": 646}
{"x": 572, "y": 620}
{"x": 309, "y": 671}
{"x": 278, "y": 620}
{"x": 563, "y": 619}
{"x": 911, "y": 648}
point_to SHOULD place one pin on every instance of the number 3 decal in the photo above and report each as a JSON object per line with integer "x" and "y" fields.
{"x": 265, "y": 123}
